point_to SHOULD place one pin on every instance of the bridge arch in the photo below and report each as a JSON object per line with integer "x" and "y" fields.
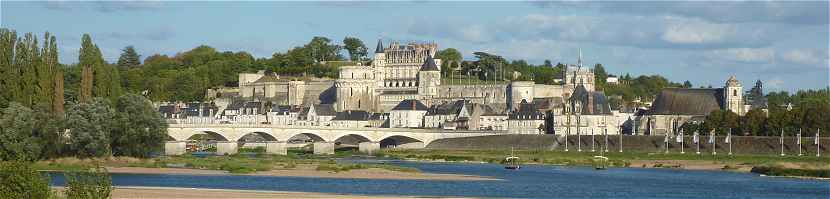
{"x": 402, "y": 141}
{"x": 216, "y": 135}
{"x": 267, "y": 136}
{"x": 313, "y": 136}
{"x": 352, "y": 139}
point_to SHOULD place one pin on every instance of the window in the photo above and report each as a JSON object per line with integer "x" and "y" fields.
{"x": 735, "y": 93}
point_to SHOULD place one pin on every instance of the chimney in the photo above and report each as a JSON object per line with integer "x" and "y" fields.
{"x": 413, "y": 105}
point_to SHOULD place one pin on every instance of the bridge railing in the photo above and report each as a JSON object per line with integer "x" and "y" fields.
{"x": 332, "y": 128}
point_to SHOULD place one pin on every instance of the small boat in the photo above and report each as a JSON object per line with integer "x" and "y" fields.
{"x": 511, "y": 162}
{"x": 600, "y": 162}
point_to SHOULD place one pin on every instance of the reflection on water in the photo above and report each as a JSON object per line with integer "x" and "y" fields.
{"x": 529, "y": 182}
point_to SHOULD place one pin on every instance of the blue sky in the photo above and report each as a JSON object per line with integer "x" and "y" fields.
{"x": 784, "y": 44}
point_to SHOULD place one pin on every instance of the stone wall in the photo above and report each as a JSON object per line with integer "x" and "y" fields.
{"x": 655, "y": 144}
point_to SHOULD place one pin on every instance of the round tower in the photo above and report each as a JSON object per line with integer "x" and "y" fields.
{"x": 520, "y": 90}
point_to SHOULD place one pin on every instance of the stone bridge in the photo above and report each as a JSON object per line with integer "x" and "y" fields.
{"x": 325, "y": 138}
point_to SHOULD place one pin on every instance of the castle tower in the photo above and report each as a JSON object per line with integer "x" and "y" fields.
{"x": 429, "y": 78}
{"x": 520, "y": 90}
{"x": 733, "y": 96}
{"x": 378, "y": 63}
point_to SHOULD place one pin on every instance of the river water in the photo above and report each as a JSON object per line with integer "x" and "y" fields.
{"x": 531, "y": 181}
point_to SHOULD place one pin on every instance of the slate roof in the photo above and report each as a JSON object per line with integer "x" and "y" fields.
{"x": 281, "y": 110}
{"x": 324, "y": 109}
{"x": 193, "y": 109}
{"x": 168, "y": 109}
{"x": 687, "y": 101}
{"x": 527, "y": 111}
{"x": 379, "y": 48}
{"x": 446, "y": 109}
{"x": 352, "y": 116}
{"x": 410, "y": 105}
{"x": 429, "y": 64}
{"x": 592, "y": 103}
{"x": 268, "y": 78}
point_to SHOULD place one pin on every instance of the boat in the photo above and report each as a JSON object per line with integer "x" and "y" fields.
{"x": 511, "y": 162}
{"x": 600, "y": 162}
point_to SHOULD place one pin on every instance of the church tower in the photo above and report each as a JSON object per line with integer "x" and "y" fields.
{"x": 733, "y": 96}
{"x": 429, "y": 78}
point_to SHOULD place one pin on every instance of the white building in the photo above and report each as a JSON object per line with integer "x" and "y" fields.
{"x": 408, "y": 114}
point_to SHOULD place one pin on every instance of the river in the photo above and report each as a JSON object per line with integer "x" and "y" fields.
{"x": 532, "y": 181}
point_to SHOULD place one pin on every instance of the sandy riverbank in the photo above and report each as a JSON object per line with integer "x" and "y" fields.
{"x": 310, "y": 171}
{"x": 173, "y": 192}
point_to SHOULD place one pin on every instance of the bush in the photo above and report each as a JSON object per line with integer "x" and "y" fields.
{"x": 88, "y": 184}
{"x": 21, "y": 180}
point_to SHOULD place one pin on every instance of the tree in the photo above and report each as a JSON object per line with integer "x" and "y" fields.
{"x": 547, "y": 64}
{"x": 21, "y": 180}
{"x": 88, "y": 184}
{"x": 355, "y": 47}
{"x": 129, "y": 58}
{"x": 687, "y": 84}
{"x": 17, "y": 126}
{"x": 448, "y": 56}
{"x": 103, "y": 78}
{"x": 600, "y": 76}
{"x": 321, "y": 49}
{"x": 90, "y": 127}
{"x": 139, "y": 129}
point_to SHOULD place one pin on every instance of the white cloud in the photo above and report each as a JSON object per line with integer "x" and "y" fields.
{"x": 806, "y": 57}
{"x": 747, "y": 55}
{"x": 696, "y": 32}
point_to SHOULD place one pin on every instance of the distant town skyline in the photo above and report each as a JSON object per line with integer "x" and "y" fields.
{"x": 784, "y": 44}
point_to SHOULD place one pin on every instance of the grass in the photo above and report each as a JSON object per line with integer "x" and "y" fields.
{"x": 586, "y": 158}
{"x": 779, "y": 171}
{"x": 253, "y": 161}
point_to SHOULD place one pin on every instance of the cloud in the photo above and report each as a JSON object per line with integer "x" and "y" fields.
{"x": 746, "y": 55}
{"x": 643, "y": 32}
{"x": 792, "y": 12}
{"x": 450, "y": 29}
{"x": 103, "y": 6}
{"x": 159, "y": 34}
{"x": 807, "y": 57}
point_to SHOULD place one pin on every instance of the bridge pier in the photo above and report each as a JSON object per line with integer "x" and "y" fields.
{"x": 175, "y": 147}
{"x": 226, "y": 148}
{"x": 324, "y": 148}
{"x": 275, "y": 147}
{"x": 369, "y": 147}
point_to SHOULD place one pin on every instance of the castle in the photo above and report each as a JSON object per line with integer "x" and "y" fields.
{"x": 411, "y": 72}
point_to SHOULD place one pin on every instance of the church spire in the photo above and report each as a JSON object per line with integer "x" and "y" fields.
{"x": 379, "y": 48}
{"x": 579, "y": 61}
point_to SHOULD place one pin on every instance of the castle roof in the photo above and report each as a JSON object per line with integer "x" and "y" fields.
{"x": 352, "y": 115}
{"x": 410, "y": 105}
{"x": 379, "y": 48}
{"x": 592, "y": 103}
{"x": 429, "y": 64}
{"x": 687, "y": 101}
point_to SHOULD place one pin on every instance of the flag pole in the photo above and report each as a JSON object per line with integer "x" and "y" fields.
{"x": 666, "y": 140}
{"x": 681, "y": 142}
{"x": 697, "y": 142}
{"x": 619, "y": 132}
{"x": 606, "y": 139}
{"x": 782, "y": 141}
{"x": 578, "y": 141}
{"x": 593, "y": 141}
{"x": 714, "y": 142}
{"x": 818, "y": 143}
{"x": 729, "y": 138}
{"x": 799, "y": 142}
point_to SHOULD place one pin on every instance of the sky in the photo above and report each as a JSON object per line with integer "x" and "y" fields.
{"x": 783, "y": 44}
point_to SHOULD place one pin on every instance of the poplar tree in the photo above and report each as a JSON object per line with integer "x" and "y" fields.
{"x": 8, "y": 79}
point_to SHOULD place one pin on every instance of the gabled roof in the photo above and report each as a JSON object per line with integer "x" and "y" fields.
{"x": 268, "y": 78}
{"x": 687, "y": 101}
{"x": 429, "y": 64}
{"x": 591, "y": 103}
{"x": 446, "y": 109}
{"x": 410, "y": 105}
{"x": 235, "y": 105}
{"x": 352, "y": 116}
